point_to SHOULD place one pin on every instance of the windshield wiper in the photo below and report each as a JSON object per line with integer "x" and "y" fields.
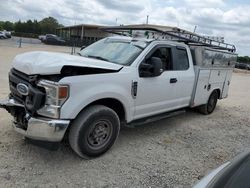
{"x": 98, "y": 57}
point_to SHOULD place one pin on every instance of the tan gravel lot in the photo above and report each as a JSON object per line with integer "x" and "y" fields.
{"x": 175, "y": 152}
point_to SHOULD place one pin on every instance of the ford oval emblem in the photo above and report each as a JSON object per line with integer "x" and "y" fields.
{"x": 22, "y": 89}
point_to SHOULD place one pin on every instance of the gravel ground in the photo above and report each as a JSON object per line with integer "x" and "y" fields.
{"x": 175, "y": 152}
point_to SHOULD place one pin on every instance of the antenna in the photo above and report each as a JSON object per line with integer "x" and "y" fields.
{"x": 195, "y": 27}
{"x": 147, "y": 19}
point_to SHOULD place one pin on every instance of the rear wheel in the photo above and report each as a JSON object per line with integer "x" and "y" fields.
{"x": 211, "y": 104}
{"x": 94, "y": 131}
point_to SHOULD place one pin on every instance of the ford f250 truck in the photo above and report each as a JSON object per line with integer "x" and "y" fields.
{"x": 116, "y": 81}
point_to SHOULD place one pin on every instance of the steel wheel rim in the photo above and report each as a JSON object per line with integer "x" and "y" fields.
{"x": 100, "y": 134}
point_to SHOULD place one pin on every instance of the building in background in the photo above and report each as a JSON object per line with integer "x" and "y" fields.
{"x": 83, "y": 34}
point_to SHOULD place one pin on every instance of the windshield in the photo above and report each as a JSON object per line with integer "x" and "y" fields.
{"x": 116, "y": 51}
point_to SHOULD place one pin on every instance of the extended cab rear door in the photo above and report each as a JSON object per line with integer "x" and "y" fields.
{"x": 183, "y": 66}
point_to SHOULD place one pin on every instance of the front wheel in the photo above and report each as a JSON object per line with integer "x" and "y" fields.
{"x": 211, "y": 104}
{"x": 94, "y": 131}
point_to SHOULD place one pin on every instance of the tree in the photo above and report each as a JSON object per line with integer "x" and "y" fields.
{"x": 36, "y": 27}
{"x": 243, "y": 59}
{"x": 29, "y": 27}
{"x": 46, "y": 25}
{"x": 19, "y": 26}
{"x": 49, "y": 25}
{"x": 1, "y": 25}
{"x": 9, "y": 26}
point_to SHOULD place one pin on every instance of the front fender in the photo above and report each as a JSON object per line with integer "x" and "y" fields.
{"x": 80, "y": 98}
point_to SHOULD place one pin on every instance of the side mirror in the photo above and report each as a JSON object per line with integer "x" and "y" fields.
{"x": 152, "y": 68}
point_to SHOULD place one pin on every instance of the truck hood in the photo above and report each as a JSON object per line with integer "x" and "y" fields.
{"x": 47, "y": 63}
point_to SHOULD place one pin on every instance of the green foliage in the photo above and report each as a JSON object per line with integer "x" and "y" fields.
{"x": 46, "y": 25}
{"x": 9, "y": 26}
{"x": 19, "y": 26}
{"x": 243, "y": 59}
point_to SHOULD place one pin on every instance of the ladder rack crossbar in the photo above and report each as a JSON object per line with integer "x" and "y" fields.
{"x": 174, "y": 34}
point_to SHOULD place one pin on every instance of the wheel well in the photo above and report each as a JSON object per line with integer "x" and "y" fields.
{"x": 219, "y": 92}
{"x": 114, "y": 104}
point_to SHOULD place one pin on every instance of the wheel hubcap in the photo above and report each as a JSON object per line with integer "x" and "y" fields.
{"x": 100, "y": 134}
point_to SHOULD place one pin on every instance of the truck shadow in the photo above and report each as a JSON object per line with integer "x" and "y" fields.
{"x": 151, "y": 129}
{"x": 128, "y": 138}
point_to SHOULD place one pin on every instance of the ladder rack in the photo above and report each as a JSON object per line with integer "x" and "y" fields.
{"x": 168, "y": 33}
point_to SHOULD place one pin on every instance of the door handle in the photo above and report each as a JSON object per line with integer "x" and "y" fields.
{"x": 173, "y": 80}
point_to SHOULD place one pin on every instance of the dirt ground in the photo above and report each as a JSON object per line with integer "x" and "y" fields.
{"x": 175, "y": 152}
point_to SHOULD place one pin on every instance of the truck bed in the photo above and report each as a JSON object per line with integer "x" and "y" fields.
{"x": 213, "y": 71}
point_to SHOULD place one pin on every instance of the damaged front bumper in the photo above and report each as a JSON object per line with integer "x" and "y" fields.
{"x": 39, "y": 128}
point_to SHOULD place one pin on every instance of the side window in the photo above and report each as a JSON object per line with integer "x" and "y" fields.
{"x": 164, "y": 54}
{"x": 181, "y": 59}
{"x": 173, "y": 58}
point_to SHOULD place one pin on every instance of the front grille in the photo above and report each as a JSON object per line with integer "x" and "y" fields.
{"x": 16, "y": 77}
{"x": 36, "y": 97}
{"x": 20, "y": 75}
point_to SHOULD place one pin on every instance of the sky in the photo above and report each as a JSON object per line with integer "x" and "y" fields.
{"x": 226, "y": 18}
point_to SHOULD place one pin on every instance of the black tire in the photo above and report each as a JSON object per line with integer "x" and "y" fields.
{"x": 211, "y": 104}
{"x": 94, "y": 131}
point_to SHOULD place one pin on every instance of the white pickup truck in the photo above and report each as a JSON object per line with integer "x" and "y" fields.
{"x": 117, "y": 80}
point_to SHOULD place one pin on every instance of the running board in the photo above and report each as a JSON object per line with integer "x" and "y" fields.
{"x": 154, "y": 118}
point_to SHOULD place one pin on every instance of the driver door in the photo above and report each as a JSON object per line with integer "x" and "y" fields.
{"x": 157, "y": 94}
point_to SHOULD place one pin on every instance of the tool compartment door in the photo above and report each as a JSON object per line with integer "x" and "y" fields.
{"x": 227, "y": 83}
{"x": 217, "y": 76}
{"x": 201, "y": 92}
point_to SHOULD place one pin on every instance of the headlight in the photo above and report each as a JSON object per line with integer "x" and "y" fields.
{"x": 56, "y": 95}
